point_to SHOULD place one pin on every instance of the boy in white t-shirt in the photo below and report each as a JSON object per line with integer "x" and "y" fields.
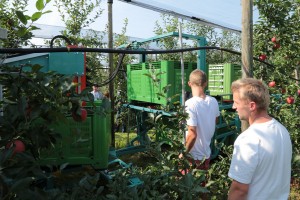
{"x": 203, "y": 111}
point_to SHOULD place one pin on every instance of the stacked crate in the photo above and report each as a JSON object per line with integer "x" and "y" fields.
{"x": 220, "y": 77}
{"x": 82, "y": 143}
{"x": 147, "y": 81}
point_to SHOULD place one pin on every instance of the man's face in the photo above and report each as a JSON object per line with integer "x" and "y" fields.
{"x": 241, "y": 106}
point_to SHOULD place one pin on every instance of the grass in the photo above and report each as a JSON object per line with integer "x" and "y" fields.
{"x": 123, "y": 139}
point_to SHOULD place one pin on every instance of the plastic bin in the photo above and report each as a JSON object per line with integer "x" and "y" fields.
{"x": 82, "y": 143}
{"x": 143, "y": 88}
{"x": 221, "y": 76}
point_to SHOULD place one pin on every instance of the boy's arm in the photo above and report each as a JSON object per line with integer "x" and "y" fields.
{"x": 191, "y": 138}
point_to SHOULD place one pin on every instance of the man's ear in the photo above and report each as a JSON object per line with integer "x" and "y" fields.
{"x": 252, "y": 105}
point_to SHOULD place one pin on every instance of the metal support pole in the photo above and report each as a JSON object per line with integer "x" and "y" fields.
{"x": 110, "y": 62}
{"x": 201, "y": 55}
{"x": 182, "y": 67}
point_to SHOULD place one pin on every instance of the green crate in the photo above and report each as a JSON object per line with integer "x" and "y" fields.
{"x": 221, "y": 76}
{"x": 142, "y": 88}
{"x": 82, "y": 143}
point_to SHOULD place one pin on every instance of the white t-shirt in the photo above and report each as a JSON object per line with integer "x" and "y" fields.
{"x": 262, "y": 158}
{"x": 202, "y": 114}
{"x": 97, "y": 95}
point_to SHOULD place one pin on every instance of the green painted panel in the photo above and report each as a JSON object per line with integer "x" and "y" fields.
{"x": 69, "y": 63}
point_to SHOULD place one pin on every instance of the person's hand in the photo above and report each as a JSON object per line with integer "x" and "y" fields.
{"x": 180, "y": 156}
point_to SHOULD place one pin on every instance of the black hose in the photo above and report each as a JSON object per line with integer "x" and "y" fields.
{"x": 62, "y": 37}
{"x": 114, "y": 74}
{"x": 81, "y": 49}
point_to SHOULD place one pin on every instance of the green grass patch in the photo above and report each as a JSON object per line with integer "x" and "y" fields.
{"x": 123, "y": 139}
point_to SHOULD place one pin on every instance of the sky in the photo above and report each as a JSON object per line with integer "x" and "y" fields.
{"x": 141, "y": 21}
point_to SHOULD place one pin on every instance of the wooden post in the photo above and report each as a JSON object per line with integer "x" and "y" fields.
{"x": 247, "y": 38}
{"x": 247, "y": 44}
{"x": 3, "y": 35}
{"x": 111, "y": 69}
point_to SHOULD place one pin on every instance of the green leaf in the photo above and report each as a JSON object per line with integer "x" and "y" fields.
{"x": 296, "y": 159}
{"x": 36, "y": 68}
{"x": 21, "y": 17}
{"x": 22, "y": 183}
{"x": 48, "y": 11}
{"x": 22, "y": 105}
{"x": 149, "y": 75}
{"x": 40, "y": 5}
{"x": 7, "y": 154}
{"x": 22, "y": 31}
{"x": 160, "y": 73}
{"x": 63, "y": 166}
{"x": 36, "y": 16}
{"x": 33, "y": 28}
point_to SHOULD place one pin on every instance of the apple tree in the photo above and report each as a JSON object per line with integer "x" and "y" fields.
{"x": 19, "y": 25}
{"x": 33, "y": 101}
{"x": 277, "y": 36}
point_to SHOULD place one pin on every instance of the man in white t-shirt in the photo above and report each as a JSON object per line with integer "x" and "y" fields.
{"x": 261, "y": 161}
{"x": 203, "y": 111}
{"x": 97, "y": 94}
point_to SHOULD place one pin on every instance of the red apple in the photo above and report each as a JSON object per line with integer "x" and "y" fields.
{"x": 283, "y": 90}
{"x": 18, "y": 146}
{"x": 290, "y": 100}
{"x": 272, "y": 84}
{"x": 298, "y": 92}
{"x": 276, "y": 46}
{"x": 273, "y": 39}
{"x": 80, "y": 118}
{"x": 262, "y": 57}
{"x": 83, "y": 103}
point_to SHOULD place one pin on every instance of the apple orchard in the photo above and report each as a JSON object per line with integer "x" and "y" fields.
{"x": 35, "y": 100}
